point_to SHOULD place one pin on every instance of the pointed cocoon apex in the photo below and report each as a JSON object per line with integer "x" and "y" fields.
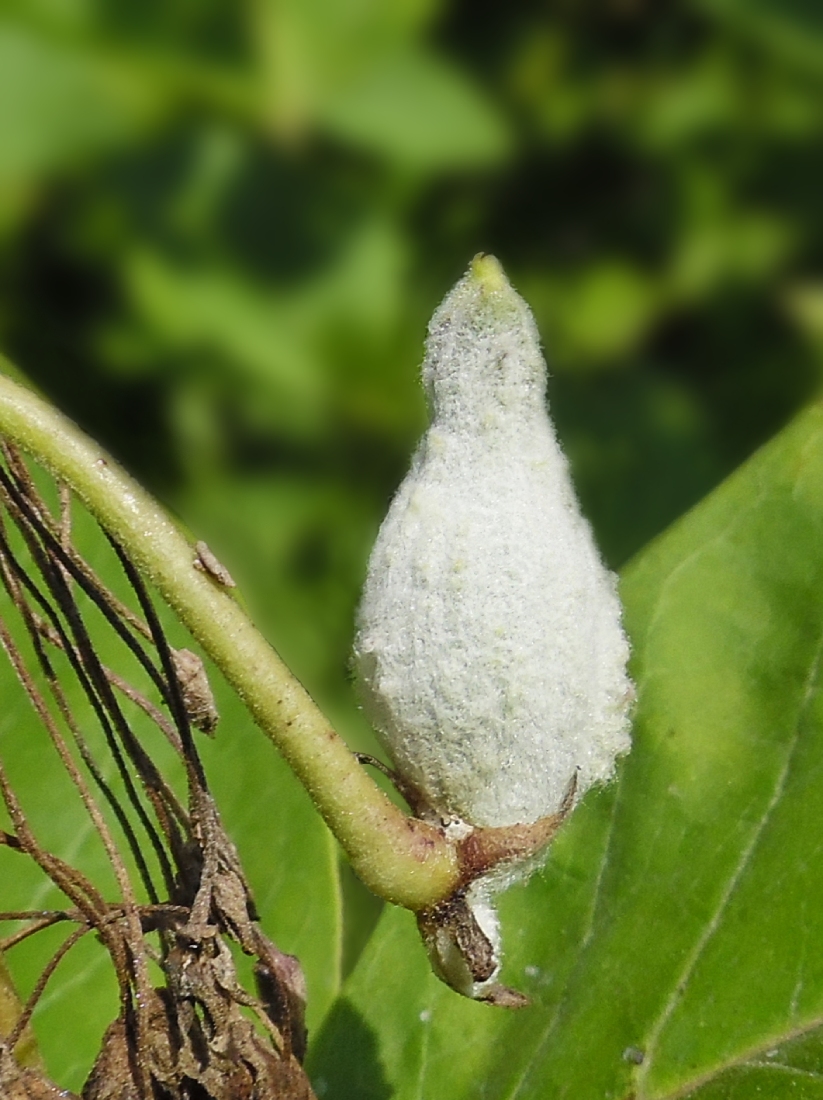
{"x": 487, "y": 272}
{"x": 489, "y": 649}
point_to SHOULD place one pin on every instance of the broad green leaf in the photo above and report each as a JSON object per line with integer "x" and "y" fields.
{"x": 791, "y": 1069}
{"x": 672, "y": 942}
{"x": 286, "y": 850}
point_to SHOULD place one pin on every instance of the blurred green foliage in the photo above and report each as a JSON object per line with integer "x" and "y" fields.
{"x": 223, "y": 226}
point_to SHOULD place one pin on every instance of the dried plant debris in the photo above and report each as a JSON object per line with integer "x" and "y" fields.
{"x": 201, "y": 1034}
{"x": 22, "y": 1083}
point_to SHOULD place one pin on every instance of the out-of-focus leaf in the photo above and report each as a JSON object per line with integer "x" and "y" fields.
{"x": 671, "y": 943}
{"x": 640, "y": 455}
{"x": 804, "y": 303}
{"x": 299, "y": 548}
{"x": 215, "y": 311}
{"x": 792, "y": 27}
{"x": 58, "y": 103}
{"x": 58, "y": 15}
{"x": 598, "y": 314}
{"x": 737, "y": 247}
{"x": 282, "y": 347}
{"x": 417, "y": 110}
{"x": 706, "y": 98}
{"x": 310, "y": 50}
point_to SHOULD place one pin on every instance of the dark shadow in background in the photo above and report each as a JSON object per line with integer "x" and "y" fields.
{"x": 347, "y": 1066}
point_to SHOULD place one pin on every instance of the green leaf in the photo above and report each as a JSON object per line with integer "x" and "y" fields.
{"x": 419, "y": 111}
{"x": 310, "y": 52}
{"x": 672, "y": 941}
{"x": 216, "y": 312}
{"x": 58, "y": 103}
{"x": 602, "y": 312}
{"x": 278, "y": 351}
{"x": 791, "y": 1069}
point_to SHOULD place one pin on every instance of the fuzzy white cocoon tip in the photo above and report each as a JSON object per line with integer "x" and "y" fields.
{"x": 489, "y": 648}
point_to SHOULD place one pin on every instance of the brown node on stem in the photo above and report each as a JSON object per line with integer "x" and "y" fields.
{"x": 460, "y": 951}
{"x": 486, "y": 848}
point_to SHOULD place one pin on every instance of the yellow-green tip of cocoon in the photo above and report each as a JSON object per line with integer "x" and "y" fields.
{"x": 488, "y": 273}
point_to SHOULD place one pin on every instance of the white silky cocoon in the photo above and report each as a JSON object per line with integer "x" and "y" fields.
{"x": 489, "y": 648}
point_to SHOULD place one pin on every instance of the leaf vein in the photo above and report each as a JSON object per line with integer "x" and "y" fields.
{"x": 734, "y": 879}
{"x": 794, "y": 1071}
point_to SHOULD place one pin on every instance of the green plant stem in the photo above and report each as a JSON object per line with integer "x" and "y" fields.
{"x": 399, "y": 858}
